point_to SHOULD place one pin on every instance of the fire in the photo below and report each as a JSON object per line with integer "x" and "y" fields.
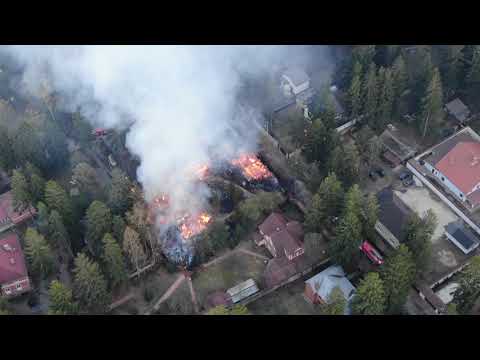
{"x": 193, "y": 225}
{"x": 159, "y": 203}
{"x": 252, "y": 167}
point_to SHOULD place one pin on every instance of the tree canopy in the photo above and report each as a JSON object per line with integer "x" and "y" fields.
{"x": 370, "y": 296}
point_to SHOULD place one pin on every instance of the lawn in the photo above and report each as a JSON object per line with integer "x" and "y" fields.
{"x": 179, "y": 303}
{"x": 226, "y": 274}
{"x": 288, "y": 300}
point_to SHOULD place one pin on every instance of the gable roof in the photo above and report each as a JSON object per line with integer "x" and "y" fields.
{"x": 324, "y": 282}
{"x": 11, "y": 270}
{"x": 393, "y": 213}
{"x": 462, "y": 165}
{"x": 274, "y": 222}
{"x": 296, "y": 75}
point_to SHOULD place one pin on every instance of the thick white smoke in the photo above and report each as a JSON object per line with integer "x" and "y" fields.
{"x": 182, "y": 99}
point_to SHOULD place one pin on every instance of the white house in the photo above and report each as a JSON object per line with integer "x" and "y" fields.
{"x": 456, "y": 164}
{"x": 295, "y": 81}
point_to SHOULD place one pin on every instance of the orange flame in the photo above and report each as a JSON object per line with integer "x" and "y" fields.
{"x": 193, "y": 225}
{"x": 252, "y": 167}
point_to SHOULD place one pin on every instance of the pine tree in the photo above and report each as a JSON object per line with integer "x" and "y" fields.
{"x": 7, "y": 157}
{"x": 348, "y": 237}
{"x": 370, "y": 215}
{"x": 335, "y": 304}
{"x": 56, "y": 198}
{"x": 57, "y": 233}
{"x": 318, "y": 142}
{"x": 86, "y": 177}
{"x": 133, "y": 247}
{"x": 450, "y": 67}
{"x": 61, "y": 299}
{"x": 432, "y": 102}
{"x": 355, "y": 91}
{"x": 398, "y": 274}
{"x": 35, "y": 181}
{"x": 369, "y": 298}
{"x": 400, "y": 84}
{"x": 42, "y": 218}
{"x": 118, "y": 227}
{"x": 418, "y": 234}
{"x": 473, "y": 75}
{"x": 21, "y": 194}
{"x": 114, "y": 261}
{"x": 55, "y": 146}
{"x": 27, "y": 145}
{"x": 138, "y": 219}
{"x": 344, "y": 161}
{"x": 89, "y": 284}
{"x": 371, "y": 93}
{"x": 119, "y": 198}
{"x": 468, "y": 290}
{"x": 386, "y": 98}
{"x": 363, "y": 54}
{"x": 39, "y": 253}
{"x": 98, "y": 222}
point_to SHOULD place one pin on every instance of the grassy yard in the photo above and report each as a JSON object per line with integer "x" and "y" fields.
{"x": 288, "y": 300}
{"x": 226, "y": 274}
{"x": 179, "y": 303}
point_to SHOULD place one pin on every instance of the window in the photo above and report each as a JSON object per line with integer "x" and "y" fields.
{"x": 433, "y": 171}
{"x": 443, "y": 179}
{"x": 19, "y": 286}
{"x": 461, "y": 195}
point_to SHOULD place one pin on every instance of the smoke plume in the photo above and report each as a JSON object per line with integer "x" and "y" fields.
{"x": 182, "y": 99}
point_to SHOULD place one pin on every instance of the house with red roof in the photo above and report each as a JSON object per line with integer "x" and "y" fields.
{"x": 14, "y": 278}
{"x": 282, "y": 237}
{"x": 455, "y": 163}
{"x": 11, "y": 215}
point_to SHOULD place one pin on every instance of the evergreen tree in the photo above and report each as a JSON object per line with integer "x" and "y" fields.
{"x": 86, "y": 177}
{"x": 57, "y": 233}
{"x": 335, "y": 304}
{"x": 27, "y": 145}
{"x": 119, "y": 198}
{"x": 118, "y": 227}
{"x": 42, "y": 218}
{"x": 468, "y": 290}
{"x": 38, "y": 253}
{"x": 344, "y": 161}
{"x": 7, "y": 156}
{"x": 114, "y": 261}
{"x": 133, "y": 248}
{"x": 98, "y": 223}
{"x": 398, "y": 275}
{"x": 354, "y": 93}
{"x": 432, "y": 102}
{"x": 36, "y": 183}
{"x": 400, "y": 85}
{"x": 369, "y": 298}
{"x": 385, "y": 101}
{"x": 21, "y": 195}
{"x": 418, "y": 234}
{"x": 363, "y": 54}
{"x": 473, "y": 74}
{"x": 326, "y": 203}
{"x": 56, "y": 198}
{"x": 319, "y": 142}
{"x": 370, "y": 215}
{"x": 61, "y": 299}
{"x": 55, "y": 147}
{"x": 343, "y": 247}
{"x": 138, "y": 219}
{"x": 371, "y": 94}
{"x": 89, "y": 285}
{"x": 450, "y": 67}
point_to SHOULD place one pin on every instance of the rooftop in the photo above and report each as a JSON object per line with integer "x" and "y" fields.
{"x": 9, "y": 214}
{"x": 462, "y": 235}
{"x": 458, "y": 109}
{"x": 324, "y": 282}
{"x": 396, "y": 146}
{"x": 393, "y": 213}
{"x": 12, "y": 261}
{"x": 296, "y": 75}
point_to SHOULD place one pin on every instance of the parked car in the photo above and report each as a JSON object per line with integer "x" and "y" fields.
{"x": 380, "y": 172}
{"x": 406, "y": 178}
{"x": 373, "y": 255}
{"x": 372, "y": 175}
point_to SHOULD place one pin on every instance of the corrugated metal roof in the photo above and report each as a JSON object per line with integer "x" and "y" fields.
{"x": 242, "y": 290}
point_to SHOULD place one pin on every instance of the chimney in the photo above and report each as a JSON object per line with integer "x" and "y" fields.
{"x": 12, "y": 261}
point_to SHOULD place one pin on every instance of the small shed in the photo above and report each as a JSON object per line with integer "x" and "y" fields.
{"x": 242, "y": 290}
{"x": 458, "y": 110}
{"x": 463, "y": 238}
{"x": 395, "y": 148}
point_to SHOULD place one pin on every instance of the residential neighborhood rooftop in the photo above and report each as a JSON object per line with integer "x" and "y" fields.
{"x": 458, "y": 109}
{"x": 12, "y": 261}
{"x": 296, "y": 75}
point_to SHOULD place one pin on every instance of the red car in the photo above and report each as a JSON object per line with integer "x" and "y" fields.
{"x": 99, "y": 132}
{"x": 371, "y": 253}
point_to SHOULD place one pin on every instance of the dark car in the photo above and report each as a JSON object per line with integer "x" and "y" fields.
{"x": 380, "y": 172}
{"x": 372, "y": 175}
{"x": 406, "y": 178}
